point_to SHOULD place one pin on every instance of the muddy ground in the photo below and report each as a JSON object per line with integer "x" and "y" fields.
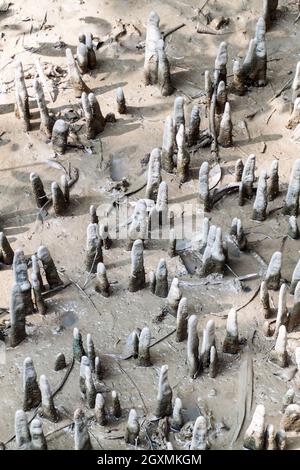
{"x": 26, "y": 36}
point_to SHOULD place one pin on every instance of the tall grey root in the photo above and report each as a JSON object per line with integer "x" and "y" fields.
{"x": 93, "y": 249}
{"x": 82, "y": 57}
{"x": 291, "y": 203}
{"x": 225, "y": 134}
{"x": 137, "y": 274}
{"x": 214, "y": 253}
{"x": 144, "y": 359}
{"x": 65, "y": 188}
{"x": 6, "y": 251}
{"x": 138, "y": 229}
{"x": 182, "y": 320}
{"x": 221, "y": 99}
{"x": 38, "y": 190}
{"x": 238, "y": 170}
{"x": 81, "y": 433}
{"x": 282, "y": 311}
{"x": 90, "y": 388}
{"x": 121, "y": 102}
{"x": 91, "y": 351}
{"x": 193, "y": 347}
{"x": 38, "y": 440}
{"x": 213, "y": 362}
{"x": 31, "y": 390}
{"x": 255, "y": 433}
{"x": 17, "y": 316}
{"x": 40, "y": 305}
{"x": 221, "y": 62}
{"x": 60, "y": 134}
{"x": 92, "y": 58}
{"x": 208, "y": 87}
{"x": 161, "y": 286}
{"x": 174, "y": 295}
{"x": 35, "y": 267}
{"x": 183, "y": 156}
{"x": 116, "y": 406}
{"x": 177, "y": 416}
{"x": 162, "y": 202}
{"x": 164, "y": 395}
{"x": 74, "y": 76}
{"x": 281, "y": 439}
{"x": 204, "y": 235}
{"x": 200, "y": 435}
{"x": 294, "y": 317}
{"x": 167, "y": 151}
{"x": 153, "y": 35}
{"x": 238, "y": 234}
{"x": 152, "y": 281}
{"x": 172, "y": 243}
{"x": 293, "y": 229}
{"x": 21, "y": 95}
{"x": 261, "y": 200}
{"x": 248, "y": 176}
{"x": 178, "y": 115}
{"x": 99, "y": 120}
{"x": 84, "y": 365}
{"x": 46, "y": 125}
{"x": 273, "y": 189}
{"x": 58, "y": 199}
{"x": 132, "y": 344}
{"x": 204, "y": 186}
{"x": 154, "y": 174}
{"x": 265, "y": 300}
{"x": 231, "y": 342}
{"x": 95, "y": 121}
{"x": 132, "y": 428}
{"x": 105, "y": 237}
{"x": 273, "y": 274}
{"x": 261, "y": 53}
{"x": 78, "y": 349}
{"x": 48, "y": 409}
{"x": 51, "y": 273}
{"x": 102, "y": 284}
{"x": 21, "y": 277}
{"x": 93, "y": 214}
{"x": 100, "y": 411}
{"x": 279, "y": 355}
{"x": 23, "y": 438}
{"x": 254, "y": 68}
{"x": 208, "y": 340}
{"x": 270, "y": 438}
{"x": 164, "y": 76}
{"x": 194, "y": 126}
{"x": 238, "y": 78}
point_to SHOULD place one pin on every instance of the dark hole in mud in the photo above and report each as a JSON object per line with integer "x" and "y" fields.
{"x": 102, "y": 25}
{"x": 68, "y": 319}
{"x": 118, "y": 166}
{"x": 15, "y": 147}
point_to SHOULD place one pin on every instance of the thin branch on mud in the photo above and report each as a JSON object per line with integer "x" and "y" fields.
{"x": 133, "y": 383}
